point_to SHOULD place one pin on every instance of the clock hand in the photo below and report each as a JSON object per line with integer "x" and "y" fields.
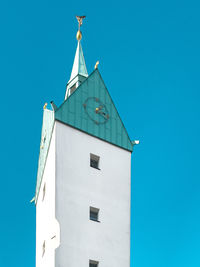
{"x": 103, "y": 114}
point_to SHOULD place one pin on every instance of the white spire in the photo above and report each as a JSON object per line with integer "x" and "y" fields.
{"x": 79, "y": 70}
{"x": 79, "y": 67}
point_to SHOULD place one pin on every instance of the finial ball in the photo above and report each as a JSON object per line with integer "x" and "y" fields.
{"x": 79, "y": 35}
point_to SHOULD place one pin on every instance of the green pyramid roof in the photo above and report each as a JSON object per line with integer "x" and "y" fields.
{"x": 91, "y": 110}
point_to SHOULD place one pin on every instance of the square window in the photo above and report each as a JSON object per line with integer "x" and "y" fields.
{"x": 94, "y": 214}
{"x": 93, "y": 263}
{"x": 94, "y": 161}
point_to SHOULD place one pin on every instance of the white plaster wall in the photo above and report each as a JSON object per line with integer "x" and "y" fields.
{"x": 46, "y": 224}
{"x": 78, "y": 186}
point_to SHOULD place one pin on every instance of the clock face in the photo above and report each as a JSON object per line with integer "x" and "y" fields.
{"x": 96, "y": 110}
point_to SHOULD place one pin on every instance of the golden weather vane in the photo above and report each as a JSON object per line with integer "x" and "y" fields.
{"x": 80, "y": 22}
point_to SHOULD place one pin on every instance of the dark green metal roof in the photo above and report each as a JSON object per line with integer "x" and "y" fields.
{"x": 78, "y": 111}
{"x": 47, "y": 128}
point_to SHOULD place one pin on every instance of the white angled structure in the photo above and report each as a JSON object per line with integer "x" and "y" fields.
{"x": 84, "y": 178}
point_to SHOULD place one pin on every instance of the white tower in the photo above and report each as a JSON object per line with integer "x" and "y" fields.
{"x": 83, "y": 183}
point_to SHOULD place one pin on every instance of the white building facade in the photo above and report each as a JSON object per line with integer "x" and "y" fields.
{"x": 84, "y": 178}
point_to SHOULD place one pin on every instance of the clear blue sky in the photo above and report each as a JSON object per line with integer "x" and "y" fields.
{"x": 149, "y": 59}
